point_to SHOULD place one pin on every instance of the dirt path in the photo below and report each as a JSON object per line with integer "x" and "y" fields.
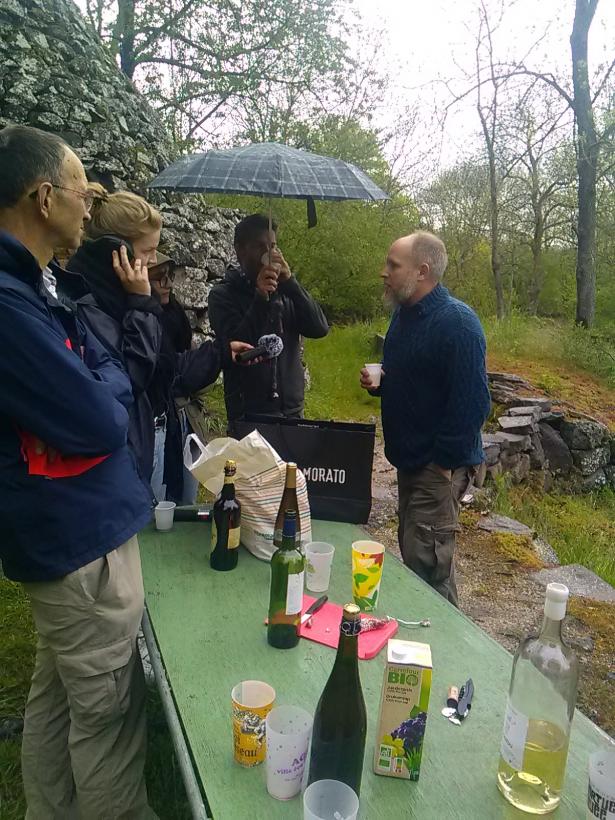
{"x": 497, "y": 592}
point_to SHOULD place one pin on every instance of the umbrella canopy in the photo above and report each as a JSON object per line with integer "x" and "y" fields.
{"x": 268, "y": 169}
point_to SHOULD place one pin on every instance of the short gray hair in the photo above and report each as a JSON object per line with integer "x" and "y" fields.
{"x": 427, "y": 248}
{"x": 27, "y": 156}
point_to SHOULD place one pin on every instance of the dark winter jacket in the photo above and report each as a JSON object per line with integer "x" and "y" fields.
{"x": 237, "y": 311}
{"x": 129, "y": 327}
{"x": 181, "y": 371}
{"x": 59, "y": 387}
{"x": 435, "y": 396}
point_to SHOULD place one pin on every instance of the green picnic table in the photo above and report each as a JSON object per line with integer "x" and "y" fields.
{"x": 207, "y": 628}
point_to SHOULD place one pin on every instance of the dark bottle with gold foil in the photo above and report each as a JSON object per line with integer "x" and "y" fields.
{"x": 288, "y": 502}
{"x": 340, "y": 721}
{"x": 286, "y": 595}
{"x": 225, "y": 525}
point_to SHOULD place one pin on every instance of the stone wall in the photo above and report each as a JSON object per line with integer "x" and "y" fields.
{"x": 571, "y": 449}
{"x": 55, "y": 74}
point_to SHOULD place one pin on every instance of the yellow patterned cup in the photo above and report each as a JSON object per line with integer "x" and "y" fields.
{"x": 367, "y": 562}
{"x": 252, "y": 702}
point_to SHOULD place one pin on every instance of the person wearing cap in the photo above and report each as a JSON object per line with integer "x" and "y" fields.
{"x": 164, "y": 393}
{"x": 122, "y": 238}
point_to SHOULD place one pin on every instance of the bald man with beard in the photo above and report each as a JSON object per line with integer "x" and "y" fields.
{"x": 435, "y": 399}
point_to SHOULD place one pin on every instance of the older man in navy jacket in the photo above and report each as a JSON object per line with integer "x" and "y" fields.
{"x": 435, "y": 400}
{"x": 71, "y": 503}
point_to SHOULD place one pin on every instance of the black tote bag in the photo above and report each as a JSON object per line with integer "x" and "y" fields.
{"x": 336, "y": 458}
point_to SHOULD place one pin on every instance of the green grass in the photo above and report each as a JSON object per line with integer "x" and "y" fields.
{"x": 17, "y": 640}
{"x": 334, "y": 364}
{"x": 580, "y": 528}
{"x": 550, "y": 342}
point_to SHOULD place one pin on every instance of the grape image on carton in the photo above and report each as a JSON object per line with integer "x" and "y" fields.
{"x": 403, "y": 710}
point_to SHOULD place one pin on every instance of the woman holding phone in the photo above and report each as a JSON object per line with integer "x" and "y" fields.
{"x": 121, "y": 241}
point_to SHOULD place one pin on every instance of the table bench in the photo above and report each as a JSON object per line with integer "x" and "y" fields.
{"x": 205, "y": 632}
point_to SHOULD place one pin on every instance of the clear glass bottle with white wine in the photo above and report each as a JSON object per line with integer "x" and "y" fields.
{"x": 541, "y": 701}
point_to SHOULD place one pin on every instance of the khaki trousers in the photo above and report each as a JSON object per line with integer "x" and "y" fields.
{"x": 428, "y": 522}
{"x": 84, "y": 735}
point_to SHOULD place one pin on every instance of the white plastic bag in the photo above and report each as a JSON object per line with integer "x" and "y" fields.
{"x": 259, "y": 484}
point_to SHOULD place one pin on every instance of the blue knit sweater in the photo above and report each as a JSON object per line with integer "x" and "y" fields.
{"x": 434, "y": 390}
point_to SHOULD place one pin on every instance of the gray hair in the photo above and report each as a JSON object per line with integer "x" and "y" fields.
{"x": 27, "y": 156}
{"x": 429, "y": 249}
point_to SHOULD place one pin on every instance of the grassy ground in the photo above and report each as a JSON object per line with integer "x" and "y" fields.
{"x": 334, "y": 364}
{"x": 581, "y": 529}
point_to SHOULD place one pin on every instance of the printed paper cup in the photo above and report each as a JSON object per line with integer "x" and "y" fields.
{"x": 288, "y": 738}
{"x": 367, "y": 562}
{"x": 252, "y": 702}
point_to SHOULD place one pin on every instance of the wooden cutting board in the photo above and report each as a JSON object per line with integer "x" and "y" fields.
{"x": 325, "y": 629}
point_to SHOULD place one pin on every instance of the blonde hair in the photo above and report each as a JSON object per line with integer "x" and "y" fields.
{"x": 122, "y": 214}
{"x": 430, "y": 249}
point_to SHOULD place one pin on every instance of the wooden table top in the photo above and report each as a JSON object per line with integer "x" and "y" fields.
{"x": 209, "y": 627}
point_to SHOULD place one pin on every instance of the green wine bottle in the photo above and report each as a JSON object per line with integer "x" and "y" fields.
{"x": 225, "y": 527}
{"x": 340, "y": 722}
{"x": 289, "y": 502}
{"x": 286, "y": 598}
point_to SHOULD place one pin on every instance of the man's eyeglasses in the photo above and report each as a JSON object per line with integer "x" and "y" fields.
{"x": 87, "y": 196}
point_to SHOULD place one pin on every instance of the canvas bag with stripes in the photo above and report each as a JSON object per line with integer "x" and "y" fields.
{"x": 259, "y": 485}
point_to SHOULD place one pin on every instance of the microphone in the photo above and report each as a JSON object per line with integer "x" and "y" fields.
{"x": 268, "y": 347}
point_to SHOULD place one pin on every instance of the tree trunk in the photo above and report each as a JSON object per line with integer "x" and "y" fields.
{"x": 587, "y": 163}
{"x": 123, "y": 37}
{"x": 496, "y": 265}
{"x": 537, "y": 273}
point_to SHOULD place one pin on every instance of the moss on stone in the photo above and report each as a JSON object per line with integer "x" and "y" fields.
{"x": 516, "y": 548}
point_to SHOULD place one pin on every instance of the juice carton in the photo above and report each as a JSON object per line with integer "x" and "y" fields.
{"x": 403, "y": 710}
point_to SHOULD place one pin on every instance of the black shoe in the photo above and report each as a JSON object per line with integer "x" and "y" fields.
{"x": 10, "y": 728}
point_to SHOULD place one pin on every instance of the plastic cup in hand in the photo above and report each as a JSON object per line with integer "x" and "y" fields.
{"x": 375, "y": 373}
{"x": 164, "y": 512}
{"x": 252, "y": 702}
{"x": 319, "y": 558}
{"x": 288, "y": 730}
{"x": 601, "y": 792}
{"x": 367, "y": 562}
{"x": 330, "y": 800}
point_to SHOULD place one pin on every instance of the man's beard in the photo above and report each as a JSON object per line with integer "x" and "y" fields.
{"x": 393, "y": 298}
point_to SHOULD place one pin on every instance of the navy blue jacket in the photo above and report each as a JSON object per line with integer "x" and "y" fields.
{"x": 435, "y": 396}
{"x": 59, "y": 510}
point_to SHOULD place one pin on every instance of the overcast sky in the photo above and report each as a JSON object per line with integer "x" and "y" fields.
{"x": 428, "y": 41}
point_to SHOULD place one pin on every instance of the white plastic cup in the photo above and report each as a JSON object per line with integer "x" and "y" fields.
{"x": 330, "y": 800}
{"x": 164, "y": 512}
{"x": 601, "y": 792}
{"x": 375, "y": 373}
{"x": 319, "y": 559}
{"x": 288, "y": 730}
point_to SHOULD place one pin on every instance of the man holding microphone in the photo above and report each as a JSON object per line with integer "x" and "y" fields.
{"x": 257, "y": 298}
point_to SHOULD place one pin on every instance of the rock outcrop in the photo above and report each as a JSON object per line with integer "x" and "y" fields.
{"x": 533, "y": 436}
